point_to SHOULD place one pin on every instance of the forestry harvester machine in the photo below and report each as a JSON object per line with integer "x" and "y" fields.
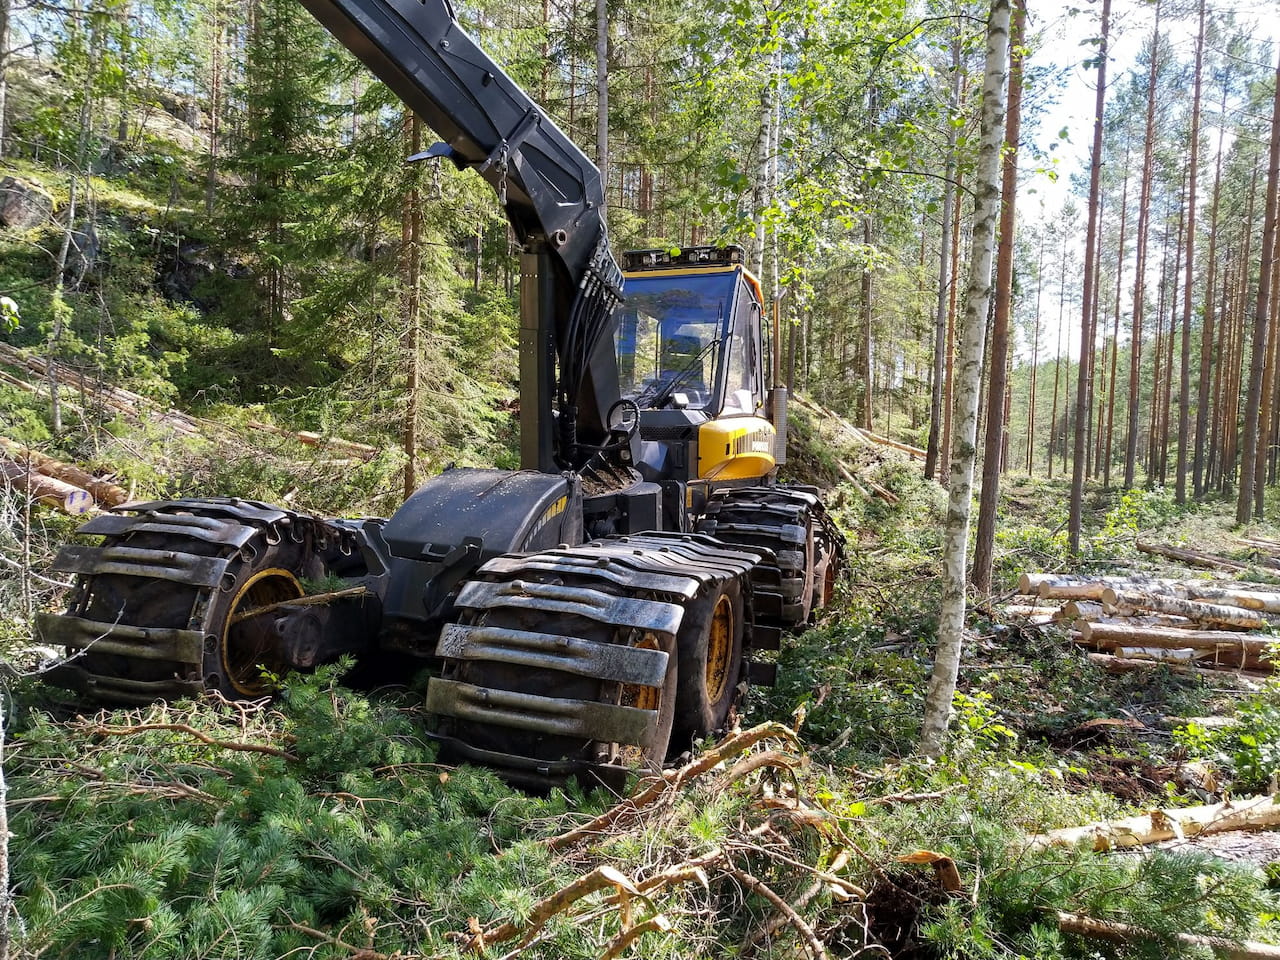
{"x": 600, "y": 606}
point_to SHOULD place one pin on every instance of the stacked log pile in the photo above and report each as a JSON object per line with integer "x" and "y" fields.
{"x": 1131, "y": 622}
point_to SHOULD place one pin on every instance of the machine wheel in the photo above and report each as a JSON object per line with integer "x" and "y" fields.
{"x": 245, "y": 651}
{"x": 710, "y": 655}
{"x": 158, "y": 610}
{"x": 552, "y": 669}
{"x": 517, "y": 679}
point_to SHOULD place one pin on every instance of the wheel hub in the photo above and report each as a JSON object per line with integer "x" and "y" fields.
{"x": 250, "y": 644}
{"x": 719, "y": 650}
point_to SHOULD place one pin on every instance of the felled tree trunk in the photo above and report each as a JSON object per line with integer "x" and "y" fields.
{"x": 1253, "y": 813}
{"x": 1197, "y": 610}
{"x": 107, "y": 494}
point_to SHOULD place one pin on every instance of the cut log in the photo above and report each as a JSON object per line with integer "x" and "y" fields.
{"x": 1053, "y": 586}
{"x": 907, "y": 448}
{"x": 847, "y": 475}
{"x": 1190, "y": 556}
{"x": 107, "y": 494}
{"x": 1249, "y": 813}
{"x": 1201, "y": 612}
{"x": 1250, "y": 597}
{"x": 1162, "y": 654}
{"x": 1113, "y": 664}
{"x": 1123, "y": 632}
{"x": 1125, "y": 933}
{"x": 1024, "y": 610}
{"x": 50, "y": 491}
{"x": 1106, "y": 613}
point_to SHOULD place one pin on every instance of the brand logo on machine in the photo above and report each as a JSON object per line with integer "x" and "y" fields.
{"x": 550, "y": 514}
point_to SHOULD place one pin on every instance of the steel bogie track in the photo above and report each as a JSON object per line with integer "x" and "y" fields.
{"x": 151, "y": 609}
{"x": 562, "y": 661}
{"x": 790, "y": 521}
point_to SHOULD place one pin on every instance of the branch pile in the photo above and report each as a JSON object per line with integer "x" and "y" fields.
{"x": 1136, "y": 621}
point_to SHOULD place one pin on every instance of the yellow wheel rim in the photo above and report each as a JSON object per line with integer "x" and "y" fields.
{"x": 637, "y": 695}
{"x": 719, "y": 650}
{"x": 247, "y": 645}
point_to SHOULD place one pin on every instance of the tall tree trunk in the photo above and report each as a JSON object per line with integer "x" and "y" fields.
{"x": 984, "y": 544}
{"x": 215, "y": 105}
{"x": 411, "y": 279}
{"x": 946, "y": 664}
{"x": 1208, "y": 367}
{"x": 1184, "y": 392}
{"x": 948, "y": 406}
{"x": 864, "y": 348}
{"x": 944, "y": 277}
{"x": 1140, "y": 262}
{"x": 1035, "y": 360}
{"x": 1057, "y": 363}
{"x": 1086, "y": 323}
{"x": 1249, "y": 446}
{"x": 4, "y": 73}
{"x": 602, "y": 94}
{"x": 1115, "y": 335}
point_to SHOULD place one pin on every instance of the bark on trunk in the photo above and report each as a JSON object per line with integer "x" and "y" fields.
{"x": 1076, "y": 513}
{"x": 942, "y": 680}
{"x": 1140, "y": 263}
{"x": 1197, "y": 610}
{"x": 1249, "y": 446}
{"x": 997, "y": 422}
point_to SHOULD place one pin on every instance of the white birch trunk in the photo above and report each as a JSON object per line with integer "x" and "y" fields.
{"x": 972, "y": 342}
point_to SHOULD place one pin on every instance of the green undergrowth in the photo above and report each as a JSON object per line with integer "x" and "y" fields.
{"x": 324, "y": 824}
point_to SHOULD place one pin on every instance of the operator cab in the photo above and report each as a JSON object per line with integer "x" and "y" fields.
{"x": 690, "y": 356}
{"x": 688, "y": 334}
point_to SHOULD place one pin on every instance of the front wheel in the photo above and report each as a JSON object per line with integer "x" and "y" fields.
{"x": 709, "y": 650}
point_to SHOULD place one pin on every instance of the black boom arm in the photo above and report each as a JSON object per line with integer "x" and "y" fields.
{"x": 550, "y": 190}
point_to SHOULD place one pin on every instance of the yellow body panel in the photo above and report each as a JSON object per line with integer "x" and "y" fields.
{"x": 735, "y": 448}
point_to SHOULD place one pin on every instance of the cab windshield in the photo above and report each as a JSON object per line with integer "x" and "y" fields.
{"x": 670, "y": 336}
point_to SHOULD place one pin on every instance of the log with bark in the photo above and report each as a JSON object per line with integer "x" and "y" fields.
{"x": 1057, "y": 587}
{"x": 1218, "y": 615}
{"x": 1124, "y": 933}
{"x": 1249, "y": 813}
{"x": 105, "y": 493}
{"x": 50, "y": 491}
{"x": 1230, "y": 649}
{"x": 1113, "y": 664}
{"x": 1193, "y": 557}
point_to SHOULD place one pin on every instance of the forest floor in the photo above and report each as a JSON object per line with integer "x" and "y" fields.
{"x": 321, "y": 824}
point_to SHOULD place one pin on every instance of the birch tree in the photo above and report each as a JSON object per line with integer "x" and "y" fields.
{"x": 972, "y": 341}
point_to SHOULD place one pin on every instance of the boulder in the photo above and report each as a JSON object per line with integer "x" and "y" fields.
{"x": 23, "y": 205}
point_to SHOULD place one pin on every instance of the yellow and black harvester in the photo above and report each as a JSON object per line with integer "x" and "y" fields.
{"x": 600, "y": 607}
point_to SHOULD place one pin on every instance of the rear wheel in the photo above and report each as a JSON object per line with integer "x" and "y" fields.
{"x": 163, "y": 608}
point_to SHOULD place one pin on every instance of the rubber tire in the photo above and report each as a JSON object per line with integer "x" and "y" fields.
{"x": 544, "y": 682}
{"x": 697, "y": 715}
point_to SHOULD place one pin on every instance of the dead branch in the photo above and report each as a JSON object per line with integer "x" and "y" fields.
{"x": 358, "y": 953}
{"x": 1125, "y": 933}
{"x": 544, "y": 910}
{"x": 110, "y": 731}
{"x": 816, "y": 948}
{"x": 652, "y": 789}
{"x": 1252, "y": 813}
{"x": 655, "y": 924}
{"x": 770, "y": 758}
{"x": 300, "y": 602}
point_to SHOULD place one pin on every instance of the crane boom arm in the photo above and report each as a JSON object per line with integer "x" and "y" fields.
{"x": 550, "y": 190}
